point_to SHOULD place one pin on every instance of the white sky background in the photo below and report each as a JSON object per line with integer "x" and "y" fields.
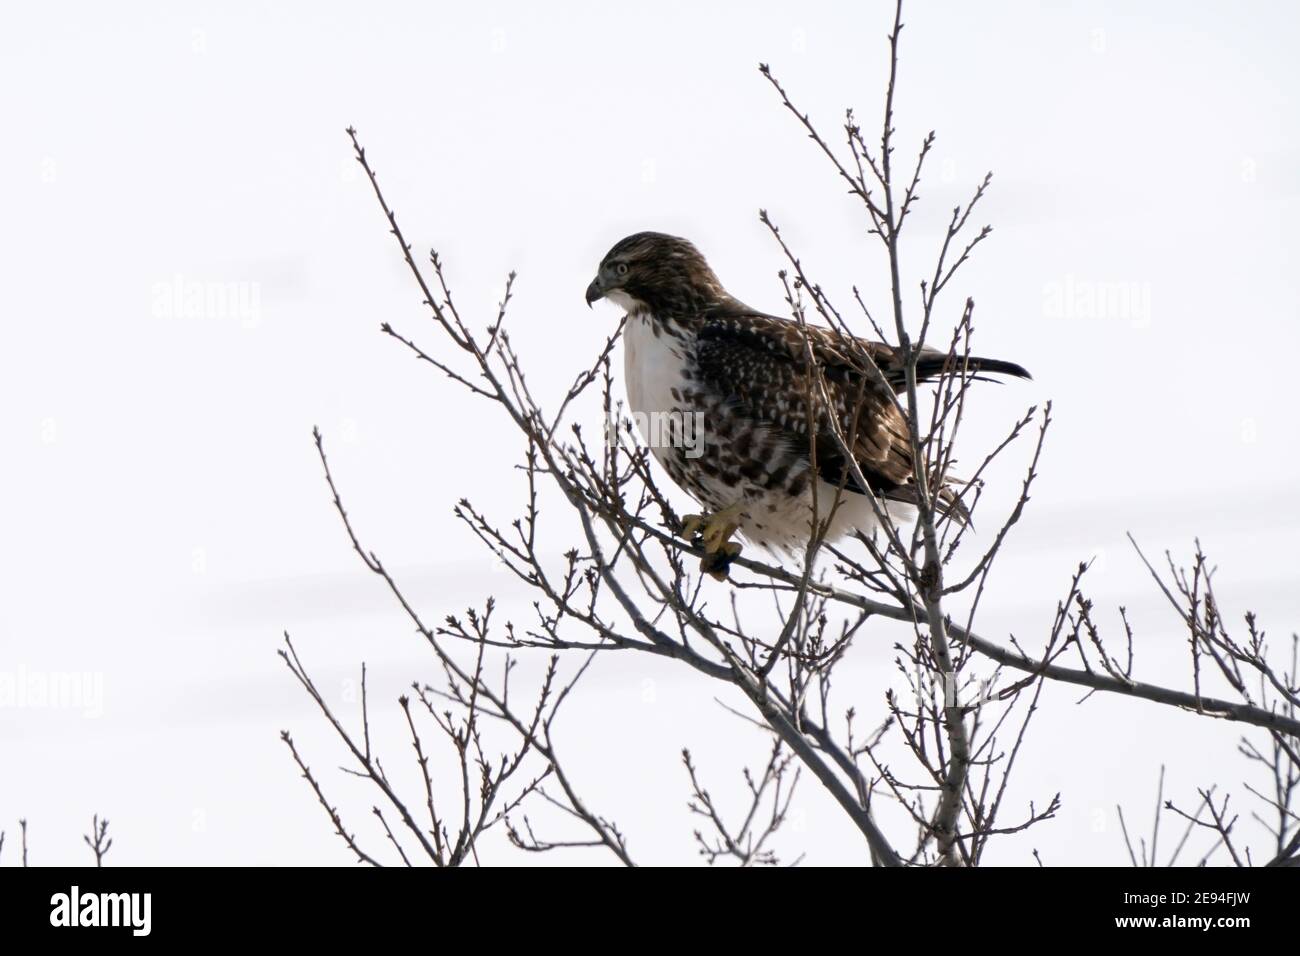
{"x": 164, "y": 516}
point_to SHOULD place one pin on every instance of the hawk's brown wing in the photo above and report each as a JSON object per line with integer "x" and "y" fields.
{"x": 760, "y": 364}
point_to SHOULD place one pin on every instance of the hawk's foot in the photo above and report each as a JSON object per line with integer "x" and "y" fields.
{"x": 716, "y": 564}
{"x": 713, "y": 532}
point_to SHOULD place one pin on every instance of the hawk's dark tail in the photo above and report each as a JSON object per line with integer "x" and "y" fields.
{"x": 930, "y": 366}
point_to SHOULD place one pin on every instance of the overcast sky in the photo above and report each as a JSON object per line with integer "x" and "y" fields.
{"x": 194, "y": 276}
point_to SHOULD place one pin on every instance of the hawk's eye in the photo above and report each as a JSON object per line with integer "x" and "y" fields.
{"x": 621, "y": 268}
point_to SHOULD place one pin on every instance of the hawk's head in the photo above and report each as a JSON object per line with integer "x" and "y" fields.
{"x": 653, "y": 272}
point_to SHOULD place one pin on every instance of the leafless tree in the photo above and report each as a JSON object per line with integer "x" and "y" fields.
{"x": 627, "y": 583}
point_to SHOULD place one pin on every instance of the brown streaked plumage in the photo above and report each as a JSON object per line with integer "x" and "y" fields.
{"x": 691, "y": 349}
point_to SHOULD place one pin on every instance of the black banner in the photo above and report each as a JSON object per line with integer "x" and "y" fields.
{"x": 328, "y": 905}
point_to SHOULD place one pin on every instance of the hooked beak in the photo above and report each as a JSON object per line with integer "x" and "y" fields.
{"x": 594, "y": 291}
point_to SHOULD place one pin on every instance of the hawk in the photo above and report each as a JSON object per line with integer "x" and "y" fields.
{"x": 721, "y": 394}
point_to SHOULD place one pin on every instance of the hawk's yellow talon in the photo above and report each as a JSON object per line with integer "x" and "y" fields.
{"x": 691, "y": 524}
{"x": 714, "y": 534}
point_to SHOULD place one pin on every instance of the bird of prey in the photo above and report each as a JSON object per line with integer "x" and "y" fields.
{"x": 695, "y": 355}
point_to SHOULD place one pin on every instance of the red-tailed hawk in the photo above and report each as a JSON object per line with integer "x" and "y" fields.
{"x": 720, "y": 393}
